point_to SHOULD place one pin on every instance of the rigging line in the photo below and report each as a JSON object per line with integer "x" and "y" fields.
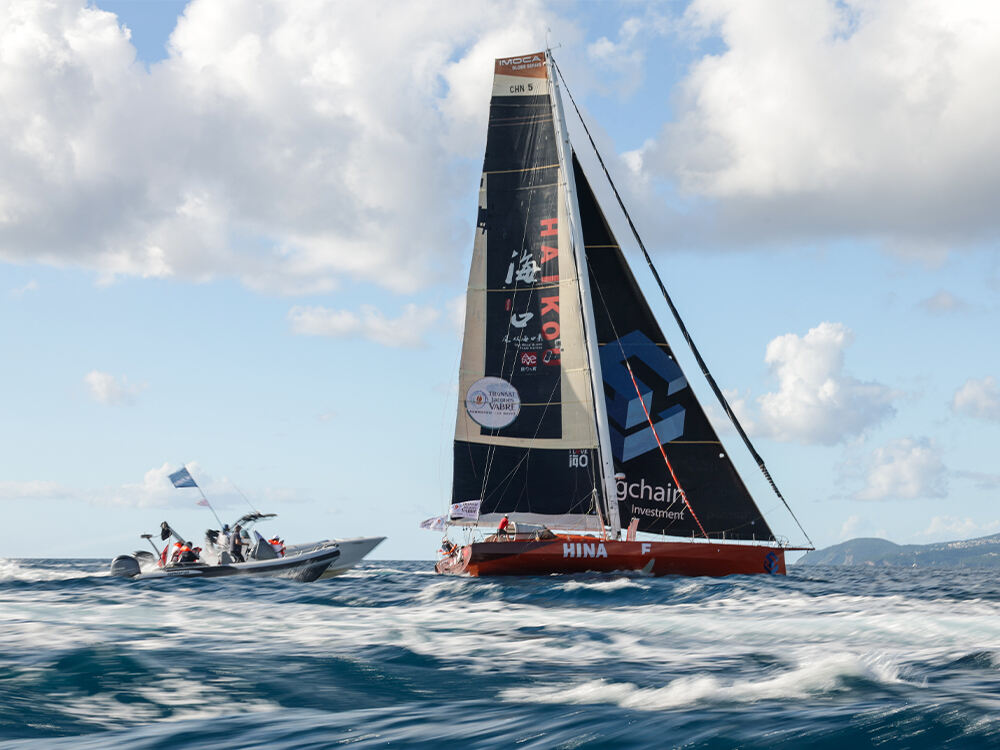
{"x": 244, "y": 496}
{"x": 687, "y": 336}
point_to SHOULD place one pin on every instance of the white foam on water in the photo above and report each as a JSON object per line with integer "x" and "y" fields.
{"x": 440, "y": 622}
{"x": 187, "y": 699}
{"x": 464, "y": 624}
{"x": 19, "y": 570}
{"x": 613, "y": 584}
{"x": 822, "y": 675}
{"x": 445, "y": 588}
{"x": 689, "y": 587}
{"x": 371, "y": 571}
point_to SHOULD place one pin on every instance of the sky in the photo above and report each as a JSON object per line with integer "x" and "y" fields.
{"x": 235, "y": 235}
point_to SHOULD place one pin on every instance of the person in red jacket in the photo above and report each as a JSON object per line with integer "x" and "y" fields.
{"x": 502, "y": 527}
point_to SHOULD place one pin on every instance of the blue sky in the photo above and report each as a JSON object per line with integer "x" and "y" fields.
{"x": 237, "y": 234}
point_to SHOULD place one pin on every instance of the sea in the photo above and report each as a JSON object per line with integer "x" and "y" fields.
{"x": 392, "y": 655}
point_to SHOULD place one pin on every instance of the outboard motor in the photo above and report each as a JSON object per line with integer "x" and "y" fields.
{"x": 125, "y": 566}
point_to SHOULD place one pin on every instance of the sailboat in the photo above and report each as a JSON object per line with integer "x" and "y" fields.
{"x": 577, "y": 430}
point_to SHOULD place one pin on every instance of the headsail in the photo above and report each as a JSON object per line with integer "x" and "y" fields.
{"x": 657, "y": 409}
{"x": 526, "y": 434}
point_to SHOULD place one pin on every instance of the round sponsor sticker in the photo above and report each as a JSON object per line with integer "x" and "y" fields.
{"x": 493, "y": 402}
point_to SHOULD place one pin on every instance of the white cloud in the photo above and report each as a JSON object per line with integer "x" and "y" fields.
{"x": 850, "y": 527}
{"x": 154, "y": 491}
{"x": 829, "y": 118}
{"x": 908, "y": 468}
{"x": 623, "y": 56}
{"x": 952, "y": 527}
{"x": 407, "y": 330}
{"x": 20, "y": 291}
{"x": 32, "y": 490}
{"x": 978, "y": 398}
{"x": 816, "y": 402}
{"x": 290, "y": 145}
{"x": 980, "y": 480}
{"x": 157, "y": 491}
{"x": 856, "y": 526}
{"x": 106, "y": 389}
{"x": 298, "y": 146}
{"x": 943, "y": 302}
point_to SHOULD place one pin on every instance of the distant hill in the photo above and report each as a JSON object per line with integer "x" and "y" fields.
{"x": 983, "y": 552}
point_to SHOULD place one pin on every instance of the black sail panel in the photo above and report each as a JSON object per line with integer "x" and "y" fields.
{"x": 653, "y": 406}
{"x": 526, "y": 431}
{"x": 536, "y": 483}
{"x": 521, "y": 170}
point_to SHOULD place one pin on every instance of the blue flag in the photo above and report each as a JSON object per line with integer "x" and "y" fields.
{"x": 181, "y": 478}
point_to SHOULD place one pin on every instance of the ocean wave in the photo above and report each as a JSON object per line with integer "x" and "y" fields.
{"x": 613, "y": 585}
{"x": 391, "y": 655}
{"x": 826, "y": 674}
{"x": 44, "y": 570}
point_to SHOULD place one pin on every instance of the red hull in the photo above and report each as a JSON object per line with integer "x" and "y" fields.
{"x": 579, "y": 554}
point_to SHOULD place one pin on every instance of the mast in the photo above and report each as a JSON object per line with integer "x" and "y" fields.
{"x": 583, "y": 277}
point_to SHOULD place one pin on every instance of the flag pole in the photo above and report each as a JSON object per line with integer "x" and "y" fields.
{"x": 211, "y": 508}
{"x": 205, "y": 499}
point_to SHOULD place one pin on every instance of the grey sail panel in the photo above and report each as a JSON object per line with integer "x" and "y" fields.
{"x": 628, "y": 333}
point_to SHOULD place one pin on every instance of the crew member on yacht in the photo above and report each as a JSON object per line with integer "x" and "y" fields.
{"x": 502, "y": 528}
